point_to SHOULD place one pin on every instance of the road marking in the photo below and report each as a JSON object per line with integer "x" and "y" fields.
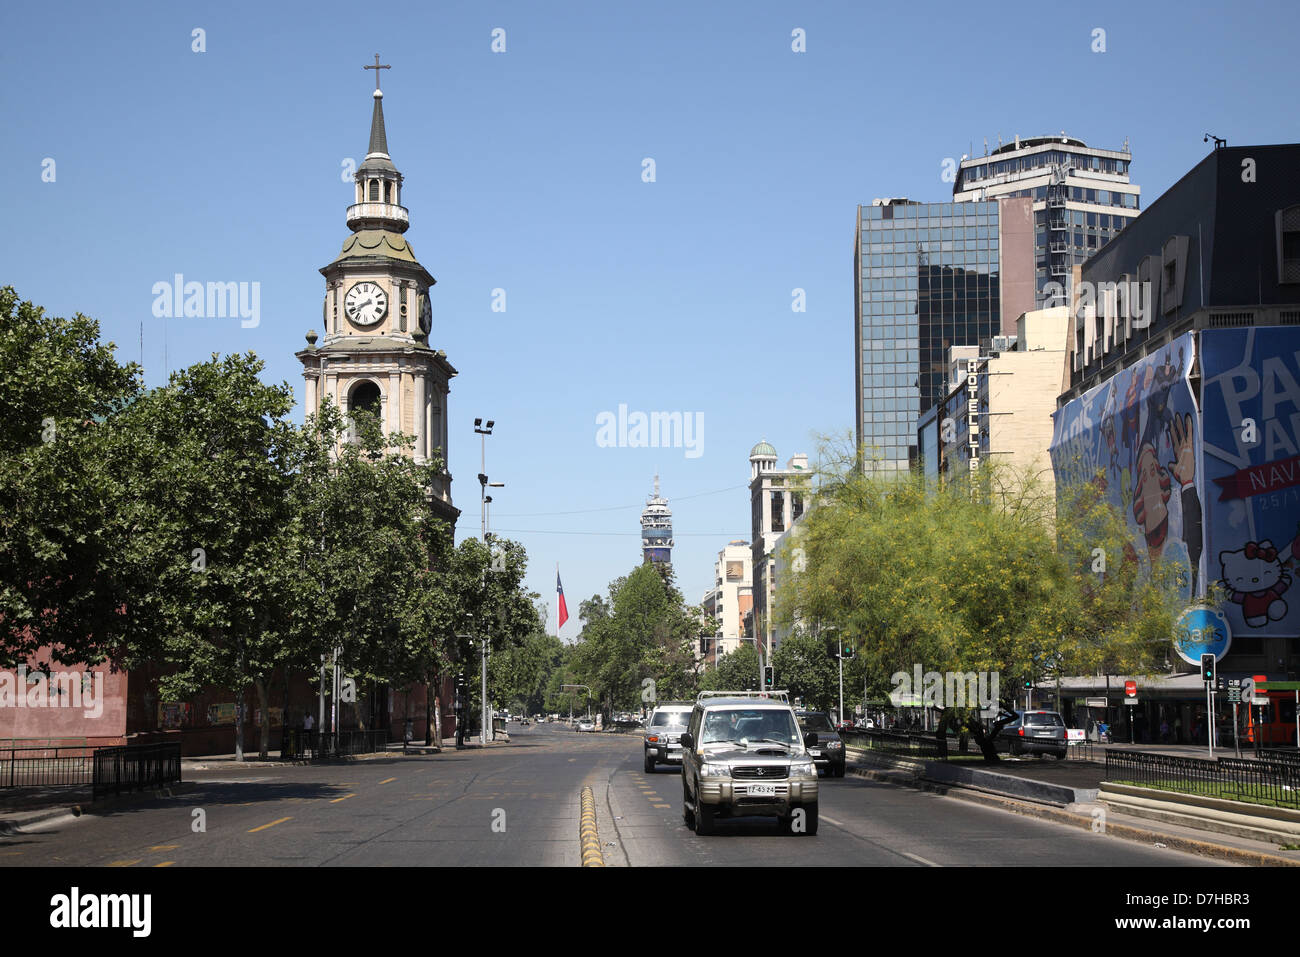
{"x": 123, "y": 863}
{"x": 662, "y": 805}
{"x": 830, "y": 820}
{"x": 343, "y": 798}
{"x": 254, "y": 830}
{"x": 918, "y": 857}
{"x": 165, "y": 864}
{"x": 386, "y": 780}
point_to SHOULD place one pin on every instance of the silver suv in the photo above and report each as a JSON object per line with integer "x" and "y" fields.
{"x": 663, "y": 732}
{"x": 743, "y": 756}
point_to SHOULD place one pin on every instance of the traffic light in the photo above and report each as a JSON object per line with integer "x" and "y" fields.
{"x": 846, "y": 650}
{"x": 1029, "y": 684}
{"x": 1207, "y": 669}
{"x": 769, "y": 677}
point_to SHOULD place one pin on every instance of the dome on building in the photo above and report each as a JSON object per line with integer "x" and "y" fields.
{"x": 762, "y": 451}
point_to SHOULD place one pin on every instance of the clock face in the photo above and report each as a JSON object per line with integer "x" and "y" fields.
{"x": 366, "y": 303}
{"x": 426, "y": 313}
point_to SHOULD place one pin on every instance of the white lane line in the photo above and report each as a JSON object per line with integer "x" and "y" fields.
{"x": 830, "y": 820}
{"x": 919, "y": 858}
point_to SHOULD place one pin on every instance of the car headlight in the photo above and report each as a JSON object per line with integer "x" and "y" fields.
{"x": 834, "y": 745}
{"x": 715, "y": 770}
{"x": 804, "y": 769}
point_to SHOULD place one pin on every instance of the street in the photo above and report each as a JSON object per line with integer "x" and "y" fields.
{"x": 518, "y": 804}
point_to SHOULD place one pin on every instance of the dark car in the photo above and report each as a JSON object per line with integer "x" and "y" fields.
{"x": 1036, "y": 732}
{"x": 828, "y": 750}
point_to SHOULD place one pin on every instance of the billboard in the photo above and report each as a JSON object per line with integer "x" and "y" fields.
{"x": 1138, "y": 437}
{"x": 1250, "y": 394}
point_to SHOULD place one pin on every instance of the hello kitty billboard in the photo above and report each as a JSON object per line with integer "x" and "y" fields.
{"x": 1250, "y": 394}
{"x": 1138, "y": 437}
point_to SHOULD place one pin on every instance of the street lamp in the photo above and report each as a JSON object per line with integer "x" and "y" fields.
{"x": 484, "y": 430}
{"x": 575, "y": 687}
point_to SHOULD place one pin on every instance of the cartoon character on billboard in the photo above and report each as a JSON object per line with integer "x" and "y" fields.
{"x": 1255, "y": 580}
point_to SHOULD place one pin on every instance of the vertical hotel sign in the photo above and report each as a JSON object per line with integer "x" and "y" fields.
{"x": 973, "y": 417}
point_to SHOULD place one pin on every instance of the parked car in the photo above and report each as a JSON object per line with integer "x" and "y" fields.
{"x": 826, "y": 747}
{"x": 743, "y": 756}
{"x": 1036, "y": 732}
{"x": 586, "y": 724}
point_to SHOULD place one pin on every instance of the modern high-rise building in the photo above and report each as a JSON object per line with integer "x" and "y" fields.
{"x": 929, "y": 276}
{"x": 732, "y": 579}
{"x": 657, "y": 529}
{"x": 1082, "y": 197}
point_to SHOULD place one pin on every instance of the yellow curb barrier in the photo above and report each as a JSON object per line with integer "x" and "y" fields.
{"x": 592, "y": 856}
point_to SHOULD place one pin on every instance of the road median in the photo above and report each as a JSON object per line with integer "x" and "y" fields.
{"x": 588, "y": 834}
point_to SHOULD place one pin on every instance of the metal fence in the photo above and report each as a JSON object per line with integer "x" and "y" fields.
{"x": 923, "y": 744}
{"x": 1237, "y": 779}
{"x": 1280, "y": 755}
{"x": 300, "y": 745}
{"x": 135, "y": 767}
{"x": 22, "y": 767}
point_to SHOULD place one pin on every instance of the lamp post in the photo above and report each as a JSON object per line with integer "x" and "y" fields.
{"x": 483, "y": 429}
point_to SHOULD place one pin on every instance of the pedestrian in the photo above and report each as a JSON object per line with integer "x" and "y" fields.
{"x": 307, "y": 722}
{"x": 1178, "y": 730}
{"x": 1164, "y": 731}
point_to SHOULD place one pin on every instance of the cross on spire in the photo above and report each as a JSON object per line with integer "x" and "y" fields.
{"x": 377, "y": 67}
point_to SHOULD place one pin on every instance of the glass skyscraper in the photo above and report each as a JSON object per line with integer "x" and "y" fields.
{"x": 928, "y": 276}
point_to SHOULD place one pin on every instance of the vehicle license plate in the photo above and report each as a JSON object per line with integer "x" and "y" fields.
{"x": 815, "y": 752}
{"x": 763, "y": 789}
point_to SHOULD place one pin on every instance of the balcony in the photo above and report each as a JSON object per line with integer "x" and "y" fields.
{"x": 362, "y": 214}
{"x": 1060, "y": 224}
{"x": 1059, "y": 247}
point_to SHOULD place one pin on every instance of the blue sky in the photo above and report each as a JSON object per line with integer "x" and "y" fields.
{"x": 524, "y": 172}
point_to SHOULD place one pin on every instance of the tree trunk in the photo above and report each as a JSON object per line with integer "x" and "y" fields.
{"x": 428, "y": 712}
{"x": 941, "y": 733}
{"x": 263, "y": 701}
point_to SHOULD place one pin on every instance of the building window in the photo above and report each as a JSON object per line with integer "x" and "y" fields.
{"x": 1288, "y": 244}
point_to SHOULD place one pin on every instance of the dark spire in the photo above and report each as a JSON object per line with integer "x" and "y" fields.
{"x": 378, "y": 138}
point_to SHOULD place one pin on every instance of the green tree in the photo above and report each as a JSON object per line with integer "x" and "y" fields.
{"x": 970, "y": 576}
{"x": 803, "y": 665}
{"x": 58, "y": 550}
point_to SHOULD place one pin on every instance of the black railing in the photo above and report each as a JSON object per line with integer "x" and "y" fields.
{"x": 22, "y": 767}
{"x": 1235, "y": 779}
{"x": 1280, "y": 755}
{"x": 135, "y": 767}
{"x": 300, "y": 745}
{"x": 924, "y": 744}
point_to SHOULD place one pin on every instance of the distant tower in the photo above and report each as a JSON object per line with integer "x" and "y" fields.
{"x": 657, "y": 529}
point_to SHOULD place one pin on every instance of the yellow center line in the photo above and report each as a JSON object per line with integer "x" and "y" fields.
{"x": 343, "y": 798}
{"x": 124, "y": 863}
{"x": 165, "y": 864}
{"x": 164, "y": 847}
{"x": 386, "y": 780}
{"x": 254, "y": 830}
{"x": 661, "y": 805}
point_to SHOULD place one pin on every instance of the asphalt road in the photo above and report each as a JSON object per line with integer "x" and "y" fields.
{"x": 518, "y": 804}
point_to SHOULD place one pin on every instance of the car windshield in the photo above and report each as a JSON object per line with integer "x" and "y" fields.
{"x": 815, "y": 722}
{"x": 669, "y": 719}
{"x": 1047, "y": 718}
{"x": 751, "y": 725}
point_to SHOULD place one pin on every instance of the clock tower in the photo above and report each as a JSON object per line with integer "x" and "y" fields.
{"x": 377, "y": 318}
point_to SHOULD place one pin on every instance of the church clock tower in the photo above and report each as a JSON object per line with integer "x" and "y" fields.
{"x": 377, "y": 318}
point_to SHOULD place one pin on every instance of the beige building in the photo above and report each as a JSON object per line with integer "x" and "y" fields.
{"x": 1000, "y": 401}
{"x": 732, "y": 579}
{"x": 377, "y": 317}
{"x": 777, "y": 500}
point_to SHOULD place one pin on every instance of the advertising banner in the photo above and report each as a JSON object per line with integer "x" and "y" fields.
{"x": 1138, "y": 437}
{"x": 1250, "y": 394}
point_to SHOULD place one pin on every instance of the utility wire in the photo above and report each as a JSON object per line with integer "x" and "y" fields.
{"x": 615, "y": 508}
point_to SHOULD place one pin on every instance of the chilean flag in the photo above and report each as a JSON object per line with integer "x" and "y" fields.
{"x": 564, "y": 610}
